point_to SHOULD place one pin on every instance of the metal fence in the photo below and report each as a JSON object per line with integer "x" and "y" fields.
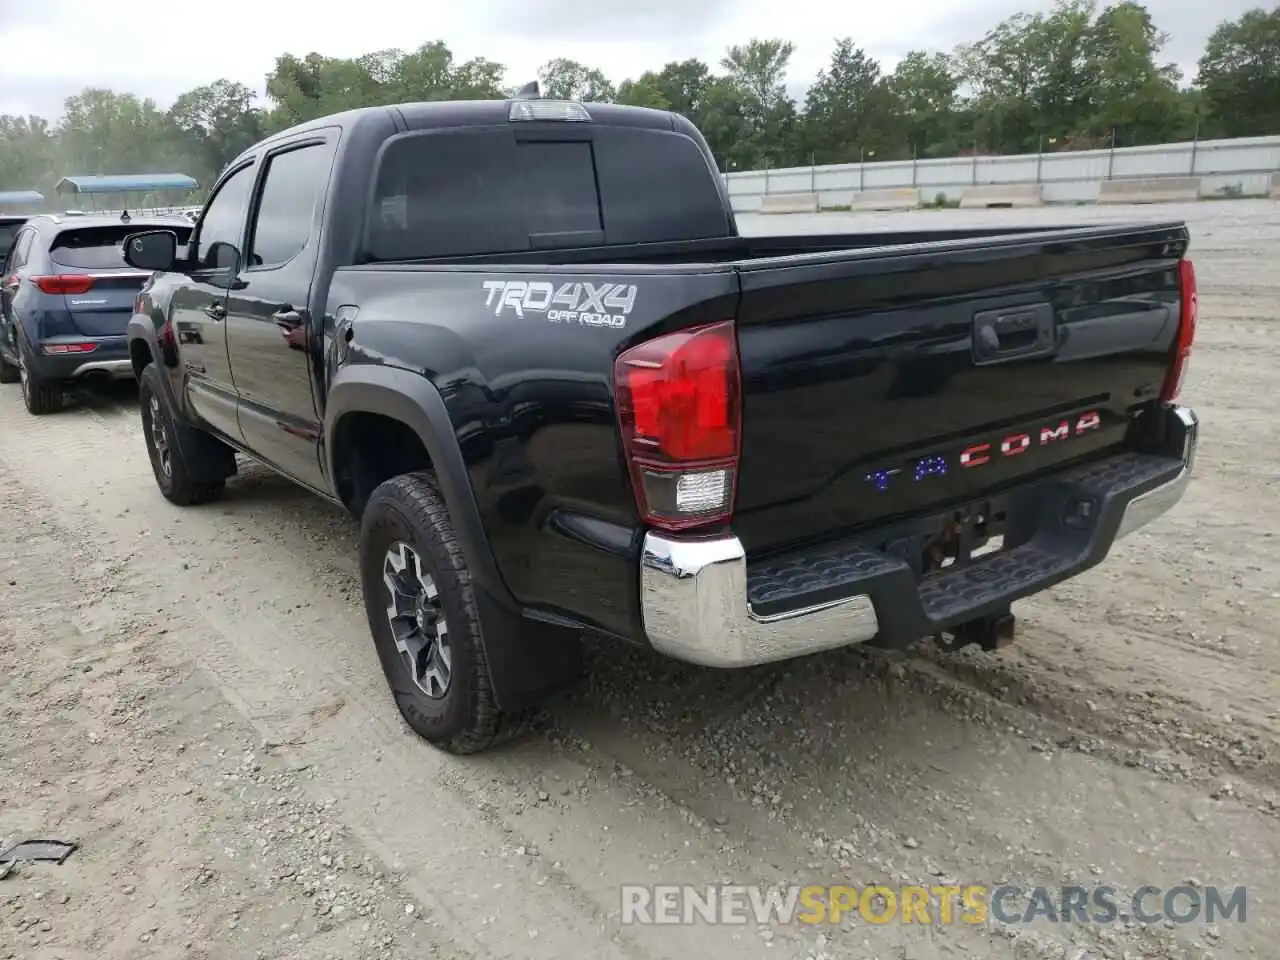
{"x": 1239, "y": 167}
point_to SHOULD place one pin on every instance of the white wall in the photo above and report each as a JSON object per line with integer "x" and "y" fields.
{"x": 1246, "y": 163}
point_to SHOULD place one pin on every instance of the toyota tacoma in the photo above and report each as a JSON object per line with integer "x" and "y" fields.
{"x": 525, "y": 344}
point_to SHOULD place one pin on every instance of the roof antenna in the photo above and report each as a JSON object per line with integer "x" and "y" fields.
{"x": 528, "y": 92}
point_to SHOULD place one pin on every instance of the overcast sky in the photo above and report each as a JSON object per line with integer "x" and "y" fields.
{"x": 50, "y": 49}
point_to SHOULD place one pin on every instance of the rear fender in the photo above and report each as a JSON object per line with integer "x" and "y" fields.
{"x": 527, "y": 658}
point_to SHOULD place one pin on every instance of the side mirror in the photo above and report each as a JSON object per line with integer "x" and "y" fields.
{"x": 152, "y": 250}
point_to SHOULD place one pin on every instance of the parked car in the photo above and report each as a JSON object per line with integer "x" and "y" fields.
{"x": 524, "y": 342}
{"x": 67, "y": 296}
{"x": 9, "y": 226}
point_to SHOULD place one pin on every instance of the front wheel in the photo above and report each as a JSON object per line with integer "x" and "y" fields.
{"x": 176, "y": 450}
{"x": 422, "y": 613}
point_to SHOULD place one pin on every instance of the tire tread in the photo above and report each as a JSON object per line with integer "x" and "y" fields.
{"x": 417, "y": 498}
{"x": 185, "y": 444}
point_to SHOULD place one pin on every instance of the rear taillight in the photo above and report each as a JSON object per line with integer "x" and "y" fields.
{"x": 58, "y": 349}
{"x": 680, "y": 413}
{"x": 65, "y": 283}
{"x": 1190, "y": 304}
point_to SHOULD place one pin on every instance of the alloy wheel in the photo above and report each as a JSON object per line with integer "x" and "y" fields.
{"x": 417, "y": 620}
{"x": 160, "y": 439}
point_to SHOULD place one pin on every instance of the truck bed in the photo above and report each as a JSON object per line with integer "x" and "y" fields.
{"x": 741, "y": 248}
{"x": 863, "y": 376}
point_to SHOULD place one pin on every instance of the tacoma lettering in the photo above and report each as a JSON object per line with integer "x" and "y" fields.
{"x": 980, "y": 454}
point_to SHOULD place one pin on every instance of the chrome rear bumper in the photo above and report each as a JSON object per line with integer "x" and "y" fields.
{"x": 694, "y": 598}
{"x": 121, "y": 369}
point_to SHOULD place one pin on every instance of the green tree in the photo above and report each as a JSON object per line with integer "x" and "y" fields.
{"x": 28, "y": 154}
{"x": 924, "y": 89}
{"x": 849, "y": 109}
{"x": 478, "y": 79}
{"x": 562, "y": 79}
{"x": 314, "y": 86}
{"x": 215, "y": 122}
{"x": 1073, "y": 75}
{"x": 294, "y": 86}
{"x": 724, "y": 117}
{"x": 1240, "y": 74}
{"x": 1028, "y": 77}
{"x": 1129, "y": 90}
{"x": 1067, "y": 76}
{"x": 684, "y": 86}
{"x": 645, "y": 92}
{"x": 757, "y": 70}
{"x": 103, "y": 132}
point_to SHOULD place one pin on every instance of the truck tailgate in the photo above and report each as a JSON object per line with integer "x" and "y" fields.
{"x": 886, "y": 381}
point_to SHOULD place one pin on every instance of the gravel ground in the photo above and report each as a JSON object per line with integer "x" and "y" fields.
{"x": 193, "y": 696}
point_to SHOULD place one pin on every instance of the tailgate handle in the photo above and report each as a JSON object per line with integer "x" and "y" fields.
{"x": 1013, "y": 333}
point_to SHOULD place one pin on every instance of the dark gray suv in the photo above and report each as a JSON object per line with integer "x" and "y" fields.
{"x": 67, "y": 295}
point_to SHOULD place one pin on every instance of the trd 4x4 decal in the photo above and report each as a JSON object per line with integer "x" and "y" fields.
{"x": 587, "y": 304}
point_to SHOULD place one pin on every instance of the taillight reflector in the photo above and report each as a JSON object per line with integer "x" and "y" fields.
{"x": 64, "y": 283}
{"x": 680, "y": 413}
{"x": 1187, "y": 316}
{"x": 55, "y": 349}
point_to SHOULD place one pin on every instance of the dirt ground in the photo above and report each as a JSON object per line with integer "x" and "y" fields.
{"x": 193, "y": 696}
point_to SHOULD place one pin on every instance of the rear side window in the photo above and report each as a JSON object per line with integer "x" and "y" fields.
{"x": 295, "y": 181}
{"x": 656, "y": 187}
{"x": 469, "y": 192}
{"x": 100, "y": 248}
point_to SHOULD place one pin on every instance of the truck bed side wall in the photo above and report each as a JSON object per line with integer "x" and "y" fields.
{"x": 529, "y": 396}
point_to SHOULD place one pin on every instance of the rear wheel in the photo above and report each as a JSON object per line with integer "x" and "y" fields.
{"x": 190, "y": 466}
{"x": 9, "y": 373}
{"x": 40, "y": 396}
{"x": 423, "y": 616}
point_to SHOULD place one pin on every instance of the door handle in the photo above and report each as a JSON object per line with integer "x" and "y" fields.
{"x": 216, "y": 311}
{"x": 287, "y": 317}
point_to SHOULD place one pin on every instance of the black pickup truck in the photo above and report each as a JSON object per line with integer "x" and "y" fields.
{"x": 525, "y": 344}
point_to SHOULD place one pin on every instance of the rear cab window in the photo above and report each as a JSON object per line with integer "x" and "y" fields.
{"x": 470, "y": 191}
{"x": 101, "y": 248}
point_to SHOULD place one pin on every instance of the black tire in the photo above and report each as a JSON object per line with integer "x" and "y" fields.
{"x": 464, "y": 718}
{"x": 39, "y": 396}
{"x": 189, "y": 465}
{"x": 10, "y": 372}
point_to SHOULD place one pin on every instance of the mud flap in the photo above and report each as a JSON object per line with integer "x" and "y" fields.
{"x": 529, "y": 660}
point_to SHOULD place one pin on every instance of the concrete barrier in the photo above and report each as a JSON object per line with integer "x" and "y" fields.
{"x": 1275, "y": 186}
{"x": 902, "y": 198}
{"x": 789, "y": 203}
{"x": 1150, "y": 190}
{"x": 988, "y": 195}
